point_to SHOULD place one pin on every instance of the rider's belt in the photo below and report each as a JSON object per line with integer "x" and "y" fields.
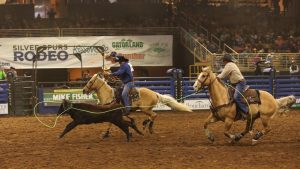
{"x": 238, "y": 82}
{"x": 128, "y": 81}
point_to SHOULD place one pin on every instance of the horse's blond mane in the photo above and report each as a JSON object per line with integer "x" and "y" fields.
{"x": 94, "y": 76}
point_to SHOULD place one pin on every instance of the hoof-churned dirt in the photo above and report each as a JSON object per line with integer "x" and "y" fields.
{"x": 179, "y": 142}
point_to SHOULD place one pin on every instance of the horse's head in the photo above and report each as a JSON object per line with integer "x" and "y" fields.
{"x": 205, "y": 78}
{"x": 93, "y": 84}
{"x": 64, "y": 106}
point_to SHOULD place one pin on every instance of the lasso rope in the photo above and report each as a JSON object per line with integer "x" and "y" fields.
{"x": 227, "y": 84}
{"x": 56, "y": 119}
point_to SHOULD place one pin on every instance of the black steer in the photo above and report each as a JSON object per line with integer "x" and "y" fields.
{"x": 83, "y": 113}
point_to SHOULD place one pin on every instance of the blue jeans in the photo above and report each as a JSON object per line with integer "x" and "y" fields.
{"x": 239, "y": 88}
{"x": 125, "y": 94}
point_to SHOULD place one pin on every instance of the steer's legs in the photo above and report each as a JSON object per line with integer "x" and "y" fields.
{"x": 68, "y": 128}
{"x": 106, "y": 133}
{"x": 124, "y": 127}
{"x": 132, "y": 124}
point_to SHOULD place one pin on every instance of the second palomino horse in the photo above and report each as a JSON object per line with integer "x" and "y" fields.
{"x": 225, "y": 110}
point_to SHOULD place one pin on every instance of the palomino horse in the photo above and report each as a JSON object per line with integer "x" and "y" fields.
{"x": 146, "y": 101}
{"x": 225, "y": 110}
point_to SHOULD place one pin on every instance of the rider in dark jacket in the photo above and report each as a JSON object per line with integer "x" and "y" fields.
{"x": 125, "y": 74}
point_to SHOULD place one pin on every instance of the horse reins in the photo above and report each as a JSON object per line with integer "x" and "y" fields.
{"x": 90, "y": 86}
{"x": 213, "y": 108}
{"x": 205, "y": 81}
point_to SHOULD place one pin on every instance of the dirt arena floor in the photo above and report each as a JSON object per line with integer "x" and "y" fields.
{"x": 179, "y": 143}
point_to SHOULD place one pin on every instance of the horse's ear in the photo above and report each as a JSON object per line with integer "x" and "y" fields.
{"x": 206, "y": 69}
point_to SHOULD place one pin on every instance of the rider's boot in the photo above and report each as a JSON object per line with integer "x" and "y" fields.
{"x": 244, "y": 115}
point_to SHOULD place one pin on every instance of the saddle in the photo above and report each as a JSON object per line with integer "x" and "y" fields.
{"x": 134, "y": 94}
{"x": 114, "y": 83}
{"x": 252, "y": 95}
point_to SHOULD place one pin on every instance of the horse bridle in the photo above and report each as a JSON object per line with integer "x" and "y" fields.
{"x": 202, "y": 87}
{"x": 92, "y": 83}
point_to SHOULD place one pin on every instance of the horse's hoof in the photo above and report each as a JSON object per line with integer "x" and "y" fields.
{"x": 105, "y": 135}
{"x": 129, "y": 137}
{"x": 151, "y": 131}
{"x": 254, "y": 142}
{"x": 211, "y": 138}
{"x": 258, "y": 135}
{"x": 237, "y": 137}
{"x": 145, "y": 123}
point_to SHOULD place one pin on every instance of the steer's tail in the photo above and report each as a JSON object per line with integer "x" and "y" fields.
{"x": 171, "y": 102}
{"x": 284, "y": 103}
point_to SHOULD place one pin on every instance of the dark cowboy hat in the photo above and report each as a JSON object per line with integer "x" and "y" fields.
{"x": 112, "y": 54}
{"x": 12, "y": 68}
{"x": 228, "y": 58}
{"x": 121, "y": 59}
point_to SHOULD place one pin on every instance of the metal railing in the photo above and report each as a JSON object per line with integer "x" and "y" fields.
{"x": 247, "y": 61}
{"x": 201, "y": 53}
{"x": 202, "y": 56}
{"x": 8, "y": 33}
{"x": 117, "y": 31}
{"x": 190, "y": 23}
{"x": 239, "y": 2}
{"x": 228, "y": 49}
{"x": 60, "y": 32}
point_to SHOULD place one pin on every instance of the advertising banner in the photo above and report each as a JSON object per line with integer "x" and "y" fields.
{"x": 53, "y": 97}
{"x": 193, "y": 104}
{"x": 154, "y": 50}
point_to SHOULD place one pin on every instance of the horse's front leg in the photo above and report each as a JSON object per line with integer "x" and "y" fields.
{"x": 228, "y": 124}
{"x": 131, "y": 123}
{"x": 209, "y": 120}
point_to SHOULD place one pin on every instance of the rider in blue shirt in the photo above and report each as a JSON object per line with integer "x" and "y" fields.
{"x": 125, "y": 74}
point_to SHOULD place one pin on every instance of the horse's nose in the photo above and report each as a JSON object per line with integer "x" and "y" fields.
{"x": 195, "y": 87}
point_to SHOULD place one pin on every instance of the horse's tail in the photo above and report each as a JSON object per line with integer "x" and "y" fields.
{"x": 284, "y": 103}
{"x": 171, "y": 102}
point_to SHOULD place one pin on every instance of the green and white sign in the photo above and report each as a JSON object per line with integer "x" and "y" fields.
{"x": 150, "y": 50}
{"x": 53, "y": 97}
